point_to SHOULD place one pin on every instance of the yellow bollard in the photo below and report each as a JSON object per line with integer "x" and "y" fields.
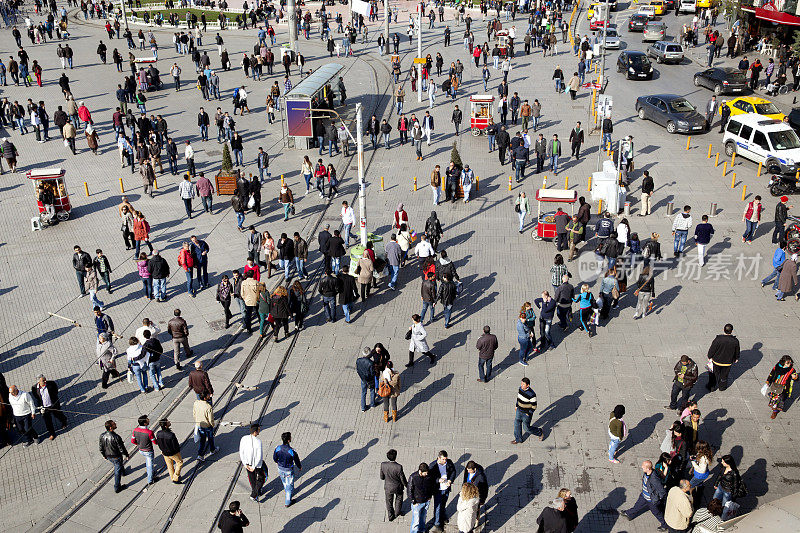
{"x": 86, "y": 188}
{"x": 415, "y": 184}
{"x": 544, "y": 183}
{"x": 443, "y": 187}
{"x": 744, "y": 192}
{"x": 589, "y": 188}
{"x": 796, "y": 176}
{"x": 566, "y": 182}
{"x": 382, "y": 189}
{"x": 282, "y": 180}
{"x": 509, "y": 183}
{"x": 688, "y": 141}
{"x": 733, "y": 180}
{"x": 709, "y": 151}
{"x": 733, "y": 159}
{"x": 725, "y": 169}
{"x": 477, "y": 183}
{"x": 716, "y": 161}
{"x": 759, "y": 169}
{"x": 600, "y": 205}
{"x": 155, "y": 184}
{"x": 121, "y": 187}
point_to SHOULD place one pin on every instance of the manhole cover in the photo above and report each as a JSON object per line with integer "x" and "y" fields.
{"x": 214, "y": 152}
{"x": 217, "y": 325}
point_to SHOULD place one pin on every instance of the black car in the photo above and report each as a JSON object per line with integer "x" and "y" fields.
{"x": 635, "y": 65}
{"x": 637, "y": 22}
{"x": 722, "y": 80}
{"x": 673, "y": 112}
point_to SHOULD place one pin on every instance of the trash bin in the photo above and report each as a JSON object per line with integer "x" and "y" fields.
{"x": 356, "y": 252}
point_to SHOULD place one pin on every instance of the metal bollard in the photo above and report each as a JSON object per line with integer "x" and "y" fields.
{"x": 759, "y": 169}
{"x": 589, "y": 188}
{"x": 121, "y": 186}
{"x": 670, "y": 207}
{"x": 688, "y": 141}
{"x": 716, "y": 161}
{"x": 733, "y": 180}
{"x": 477, "y": 183}
{"x": 733, "y": 159}
{"x": 382, "y": 188}
{"x": 415, "y": 184}
{"x": 155, "y": 184}
{"x": 744, "y": 192}
{"x": 712, "y": 211}
{"x": 600, "y": 205}
{"x": 544, "y": 183}
{"x": 724, "y": 169}
{"x": 566, "y": 182}
{"x": 509, "y": 183}
{"x": 709, "y": 151}
{"x": 86, "y": 188}
{"x": 627, "y": 209}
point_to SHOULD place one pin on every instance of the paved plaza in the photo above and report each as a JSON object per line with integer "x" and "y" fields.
{"x": 441, "y": 406}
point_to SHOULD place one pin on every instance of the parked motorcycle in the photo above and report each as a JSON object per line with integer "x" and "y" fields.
{"x": 782, "y": 184}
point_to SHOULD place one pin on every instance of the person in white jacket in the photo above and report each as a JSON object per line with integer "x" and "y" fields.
{"x": 680, "y": 229}
{"x": 251, "y": 453}
{"x": 24, "y": 411}
{"x": 418, "y": 341}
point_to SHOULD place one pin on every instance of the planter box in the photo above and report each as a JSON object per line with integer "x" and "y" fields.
{"x": 226, "y": 182}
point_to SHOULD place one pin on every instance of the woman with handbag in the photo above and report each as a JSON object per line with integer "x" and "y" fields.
{"x": 389, "y": 390}
{"x": 298, "y": 304}
{"x": 263, "y": 304}
{"x": 147, "y": 280}
{"x": 417, "y": 339}
{"x": 609, "y": 290}
{"x": 269, "y": 252}
{"x": 141, "y": 233}
{"x": 728, "y": 483}
{"x": 522, "y": 207}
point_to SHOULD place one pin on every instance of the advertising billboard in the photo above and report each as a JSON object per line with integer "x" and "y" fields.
{"x": 298, "y": 118}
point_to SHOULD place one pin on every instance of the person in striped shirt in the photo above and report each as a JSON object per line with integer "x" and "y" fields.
{"x": 526, "y": 405}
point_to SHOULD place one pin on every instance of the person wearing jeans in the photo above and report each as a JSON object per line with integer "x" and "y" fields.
{"x": 680, "y": 229}
{"x": 144, "y": 438}
{"x": 204, "y": 422}
{"x": 751, "y": 217}
{"x": 420, "y": 490}
{"x": 526, "y": 405}
{"x": 286, "y": 458}
{"x": 616, "y": 432}
{"x": 113, "y": 448}
{"x": 522, "y": 207}
{"x": 524, "y": 340}
{"x": 548, "y": 307}
{"x": 777, "y": 264}
{"x": 651, "y": 496}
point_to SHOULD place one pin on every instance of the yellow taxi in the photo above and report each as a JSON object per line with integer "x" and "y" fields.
{"x": 660, "y": 6}
{"x": 754, "y": 104}
{"x": 591, "y": 10}
{"x": 705, "y": 4}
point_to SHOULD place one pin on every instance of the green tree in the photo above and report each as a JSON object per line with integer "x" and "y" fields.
{"x": 227, "y": 163}
{"x": 455, "y": 157}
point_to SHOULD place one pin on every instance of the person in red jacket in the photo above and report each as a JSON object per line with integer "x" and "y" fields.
{"x": 186, "y": 261}
{"x": 144, "y": 439}
{"x": 252, "y": 266}
{"x": 751, "y": 218}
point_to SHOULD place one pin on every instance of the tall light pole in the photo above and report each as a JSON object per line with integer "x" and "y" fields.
{"x": 124, "y": 16}
{"x": 600, "y": 84}
{"x": 362, "y": 194}
{"x": 292, "y": 10}
{"x": 419, "y": 50}
{"x": 386, "y": 26}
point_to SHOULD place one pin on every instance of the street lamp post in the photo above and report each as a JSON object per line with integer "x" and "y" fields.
{"x": 292, "y": 11}
{"x": 419, "y": 51}
{"x": 600, "y": 79}
{"x": 124, "y": 16}
{"x": 386, "y": 26}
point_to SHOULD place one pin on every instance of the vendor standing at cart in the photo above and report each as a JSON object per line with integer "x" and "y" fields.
{"x": 48, "y": 200}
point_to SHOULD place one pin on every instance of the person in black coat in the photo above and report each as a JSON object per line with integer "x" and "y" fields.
{"x": 323, "y": 239}
{"x": 336, "y": 250}
{"x": 443, "y": 471}
{"x": 348, "y": 293}
{"x": 285, "y": 248}
{"x": 233, "y": 520}
{"x": 503, "y": 140}
{"x": 552, "y": 519}
{"x": 255, "y": 192}
{"x": 421, "y": 486}
{"x": 724, "y": 352}
{"x": 576, "y": 139}
{"x": 45, "y": 394}
{"x": 393, "y": 485}
{"x": 171, "y": 450}
{"x": 474, "y": 474}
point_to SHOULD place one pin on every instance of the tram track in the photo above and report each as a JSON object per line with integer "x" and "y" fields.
{"x": 223, "y": 402}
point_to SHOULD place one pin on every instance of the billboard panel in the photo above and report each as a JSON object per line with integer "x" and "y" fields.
{"x": 298, "y": 118}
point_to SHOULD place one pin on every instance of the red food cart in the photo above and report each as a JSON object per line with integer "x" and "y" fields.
{"x": 546, "y": 222}
{"x": 503, "y": 41}
{"x": 53, "y": 180}
{"x": 480, "y": 112}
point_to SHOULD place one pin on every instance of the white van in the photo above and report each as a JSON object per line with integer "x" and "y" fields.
{"x": 687, "y": 6}
{"x": 647, "y": 10}
{"x": 763, "y": 140}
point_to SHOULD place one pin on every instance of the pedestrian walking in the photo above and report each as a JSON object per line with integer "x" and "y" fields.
{"x": 778, "y": 386}
{"x": 179, "y": 330}
{"x": 394, "y": 484}
{"x": 722, "y": 354}
{"x": 751, "y": 218}
{"x": 233, "y": 519}
{"x": 143, "y": 438}
{"x": 680, "y": 230}
{"x": 617, "y": 431}
{"x": 586, "y": 306}
{"x": 651, "y": 497}
{"x": 486, "y": 346}
{"x": 24, "y": 411}
{"x": 287, "y": 458}
{"x": 553, "y": 518}
{"x": 678, "y": 510}
{"x": 170, "y": 448}
{"x": 204, "y": 427}
{"x": 112, "y": 448}
{"x": 525, "y": 407}
{"x": 787, "y": 279}
{"x": 45, "y": 396}
{"x": 702, "y": 236}
{"x": 686, "y": 374}
{"x": 418, "y": 341}
{"x": 522, "y": 207}
{"x": 421, "y": 487}
{"x": 251, "y": 454}
{"x": 389, "y": 387}
{"x": 106, "y": 354}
